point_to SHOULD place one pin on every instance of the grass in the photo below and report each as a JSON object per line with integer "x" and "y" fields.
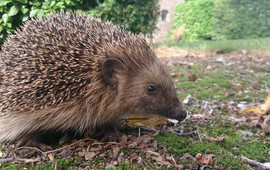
{"x": 214, "y": 85}
{"x": 209, "y": 47}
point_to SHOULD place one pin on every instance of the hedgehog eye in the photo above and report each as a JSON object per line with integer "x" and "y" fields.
{"x": 151, "y": 89}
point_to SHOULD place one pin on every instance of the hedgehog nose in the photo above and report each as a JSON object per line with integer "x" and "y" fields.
{"x": 182, "y": 115}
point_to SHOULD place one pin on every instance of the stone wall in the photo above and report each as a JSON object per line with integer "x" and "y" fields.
{"x": 164, "y": 26}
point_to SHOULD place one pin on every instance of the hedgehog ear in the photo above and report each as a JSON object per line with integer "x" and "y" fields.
{"x": 109, "y": 68}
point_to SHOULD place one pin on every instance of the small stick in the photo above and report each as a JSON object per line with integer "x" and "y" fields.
{"x": 199, "y": 135}
{"x": 205, "y": 166}
{"x": 17, "y": 159}
{"x": 146, "y": 164}
{"x": 27, "y": 147}
{"x": 255, "y": 163}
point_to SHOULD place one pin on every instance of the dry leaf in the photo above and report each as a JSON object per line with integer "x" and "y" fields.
{"x": 234, "y": 119}
{"x": 176, "y": 74}
{"x": 255, "y": 122}
{"x": 266, "y": 125}
{"x": 81, "y": 154}
{"x": 192, "y": 77}
{"x": 261, "y": 110}
{"x": 145, "y": 121}
{"x": 241, "y": 67}
{"x": 205, "y": 159}
{"x": 115, "y": 152}
{"x": 51, "y": 157}
{"x": 89, "y": 155}
{"x": 90, "y": 133}
{"x": 173, "y": 120}
{"x": 198, "y": 116}
{"x": 238, "y": 88}
{"x": 210, "y": 68}
{"x": 153, "y": 153}
{"x": 187, "y": 99}
{"x": 160, "y": 160}
{"x": 252, "y": 118}
{"x": 217, "y": 139}
{"x": 66, "y": 153}
{"x": 255, "y": 85}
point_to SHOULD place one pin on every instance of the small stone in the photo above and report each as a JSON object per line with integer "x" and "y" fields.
{"x": 244, "y": 51}
{"x": 255, "y": 85}
{"x": 110, "y": 166}
{"x": 210, "y": 68}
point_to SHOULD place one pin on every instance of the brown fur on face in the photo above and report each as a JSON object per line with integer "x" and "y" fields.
{"x": 70, "y": 72}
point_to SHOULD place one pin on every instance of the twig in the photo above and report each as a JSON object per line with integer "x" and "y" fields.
{"x": 75, "y": 143}
{"x": 199, "y": 135}
{"x": 255, "y": 163}
{"x": 205, "y": 166}
{"x": 27, "y": 147}
{"x": 240, "y": 145}
{"x": 6, "y": 159}
{"x": 187, "y": 155}
{"x": 147, "y": 164}
{"x": 192, "y": 133}
{"x": 16, "y": 159}
{"x": 174, "y": 161}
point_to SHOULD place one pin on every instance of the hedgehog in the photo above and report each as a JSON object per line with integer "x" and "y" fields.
{"x": 70, "y": 72}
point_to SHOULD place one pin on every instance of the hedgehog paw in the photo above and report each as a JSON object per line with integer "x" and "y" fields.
{"x": 33, "y": 141}
{"x": 109, "y": 134}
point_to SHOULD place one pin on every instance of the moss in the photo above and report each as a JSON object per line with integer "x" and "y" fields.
{"x": 178, "y": 145}
{"x": 126, "y": 166}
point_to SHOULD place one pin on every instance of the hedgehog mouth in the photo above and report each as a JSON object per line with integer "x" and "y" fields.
{"x": 181, "y": 115}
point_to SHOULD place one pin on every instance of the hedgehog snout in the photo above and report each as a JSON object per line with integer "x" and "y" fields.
{"x": 182, "y": 115}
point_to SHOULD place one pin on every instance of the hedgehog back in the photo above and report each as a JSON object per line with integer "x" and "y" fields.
{"x": 51, "y": 60}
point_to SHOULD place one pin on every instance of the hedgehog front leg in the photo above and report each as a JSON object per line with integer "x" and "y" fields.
{"x": 33, "y": 140}
{"x": 108, "y": 133}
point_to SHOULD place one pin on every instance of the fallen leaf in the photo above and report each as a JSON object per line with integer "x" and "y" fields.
{"x": 241, "y": 67}
{"x": 89, "y": 155}
{"x": 192, "y": 77}
{"x": 152, "y": 153}
{"x": 115, "y": 152}
{"x": 51, "y": 157}
{"x": 176, "y": 74}
{"x": 210, "y": 68}
{"x": 66, "y": 153}
{"x": 262, "y": 109}
{"x": 255, "y": 122}
{"x": 205, "y": 159}
{"x": 81, "y": 154}
{"x": 211, "y": 139}
{"x": 234, "y": 119}
{"x": 173, "y": 120}
{"x": 133, "y": 145}
{"x": 255, "y": 85}
{"x": 90, "y": 133}
{"x": 198, "y": 116}
{"x": 238, "y": 88}
{"x": 266, "y": 125}
{"x": 160, "y": 160}
{"x": 145, "y": 121}
{"x": 186, "y": 100}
